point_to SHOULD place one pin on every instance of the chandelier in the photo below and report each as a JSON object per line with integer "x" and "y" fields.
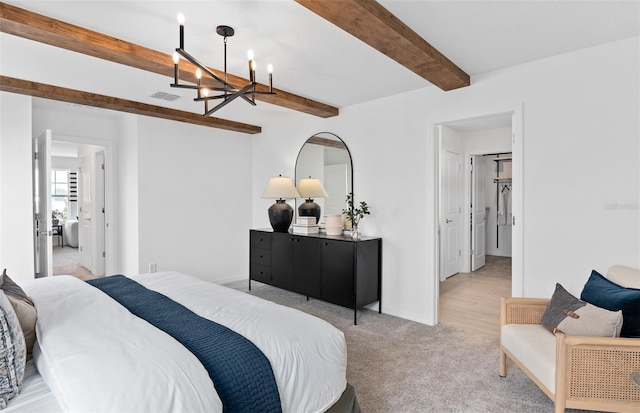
{"x": 226, "y": 91}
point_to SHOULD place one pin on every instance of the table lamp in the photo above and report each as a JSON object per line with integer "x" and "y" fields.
{"x": 280, "y": 213}
{"x": 310, "y": 188}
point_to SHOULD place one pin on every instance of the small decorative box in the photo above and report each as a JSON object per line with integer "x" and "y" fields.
{"x": 306, "y": 221}
{"x": 306, "y": 229}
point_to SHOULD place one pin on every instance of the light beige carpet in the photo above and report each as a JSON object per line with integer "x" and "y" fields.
{"x": 399, "y": 366}
{"x": 66, "y": 262}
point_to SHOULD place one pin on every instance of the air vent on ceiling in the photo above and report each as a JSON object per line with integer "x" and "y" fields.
{"x": 165, "y": 96}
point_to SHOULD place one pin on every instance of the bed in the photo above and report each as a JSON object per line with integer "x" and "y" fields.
{"x": 93, "y": 354}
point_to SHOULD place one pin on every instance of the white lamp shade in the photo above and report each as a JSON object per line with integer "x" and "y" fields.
{"x": 311, "y": 188}
{"x": 280, "y": 187}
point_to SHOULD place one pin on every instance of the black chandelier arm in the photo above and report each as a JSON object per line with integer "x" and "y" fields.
{"x": 207, "y": 98}
{"x": 225, "y": 95}
{"x": 202, "y": 67}
{"x": 184, "y": 86}
{"x": 232, "y": 97}
{"x": 244, "y": 96}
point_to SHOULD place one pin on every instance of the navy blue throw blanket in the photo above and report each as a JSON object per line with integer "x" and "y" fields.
{"x": 240, "y": 372}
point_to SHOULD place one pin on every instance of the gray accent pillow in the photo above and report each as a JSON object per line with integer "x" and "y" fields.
{"x": 24, "y": 309}
{"x": 13, "y": 352}
{"x": 11, "y": 288}
{"x": 578, "y": 318}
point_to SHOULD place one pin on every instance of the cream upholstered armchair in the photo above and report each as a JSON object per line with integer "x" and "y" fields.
{"x": 592, "y": 373}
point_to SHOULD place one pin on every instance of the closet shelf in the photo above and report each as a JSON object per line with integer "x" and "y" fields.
{"x": 501, "y": 179}
{"x": 502, "y": 159}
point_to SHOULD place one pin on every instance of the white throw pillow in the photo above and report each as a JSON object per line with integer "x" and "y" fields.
{"x": 624, "y": 276}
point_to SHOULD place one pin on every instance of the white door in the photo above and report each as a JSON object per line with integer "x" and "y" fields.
{"x": 42, "y": 200}
{"x": 100, "y": 216}
{"x": 84, "y": 214}
{"x": 450, "y": 214}
{"x": 478, "y": 213}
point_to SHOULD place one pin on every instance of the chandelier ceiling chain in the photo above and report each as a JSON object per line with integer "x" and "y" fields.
{"x": 229, "y": 91}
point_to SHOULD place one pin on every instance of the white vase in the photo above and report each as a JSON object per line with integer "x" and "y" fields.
{"x": 333, "y": 224}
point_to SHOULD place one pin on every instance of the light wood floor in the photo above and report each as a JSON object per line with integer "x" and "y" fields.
{"x": 65, "y": 262}
{"x": 471, "y": 301}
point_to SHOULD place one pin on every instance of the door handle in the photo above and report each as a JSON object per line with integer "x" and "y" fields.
{"x": 448, "y": 220}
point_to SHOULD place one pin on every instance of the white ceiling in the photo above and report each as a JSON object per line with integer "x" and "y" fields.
{"x": 311, "y": 57}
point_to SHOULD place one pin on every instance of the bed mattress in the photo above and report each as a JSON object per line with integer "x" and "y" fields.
{"x": 79, "y": 326}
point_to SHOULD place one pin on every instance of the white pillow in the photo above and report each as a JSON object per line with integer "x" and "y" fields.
{"x": 624, "y": 276}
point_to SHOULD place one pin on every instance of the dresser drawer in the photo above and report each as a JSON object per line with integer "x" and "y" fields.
{"x": 260, "y": 240}
{"x": 261, "y": 256}
{"x": 260, "y": 273}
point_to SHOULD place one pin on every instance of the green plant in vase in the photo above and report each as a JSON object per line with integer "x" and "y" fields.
{"x": 354, "y": 215}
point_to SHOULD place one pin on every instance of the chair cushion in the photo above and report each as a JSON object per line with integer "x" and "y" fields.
{"x": 606, "y": 294}
{"x": 578, "y": 318}
{"x": 535, "y": 348}
{"x": 625, "y": 276}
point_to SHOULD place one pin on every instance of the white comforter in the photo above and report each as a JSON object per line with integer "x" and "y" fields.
{"x": 96, "y": 356}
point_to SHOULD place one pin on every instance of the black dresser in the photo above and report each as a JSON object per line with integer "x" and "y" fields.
{"x": 336, "y": 269}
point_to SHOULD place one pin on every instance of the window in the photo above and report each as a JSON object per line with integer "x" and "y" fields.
{"x": 60, "y": 194}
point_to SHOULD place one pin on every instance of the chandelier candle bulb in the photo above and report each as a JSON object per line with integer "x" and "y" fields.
{"x": 198, "y": 76}
{"x": 252, "y": 66}
{"x": 176, "y": 59}
{"x": 181, "y": 23}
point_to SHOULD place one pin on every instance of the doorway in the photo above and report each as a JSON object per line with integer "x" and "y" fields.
{"x": 467, "y": 256}
{"x": 74, "y": 176}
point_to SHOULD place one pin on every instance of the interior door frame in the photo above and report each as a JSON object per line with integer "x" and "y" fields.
{"x": 110, "y": 233}
{"x": 517, "y": 149}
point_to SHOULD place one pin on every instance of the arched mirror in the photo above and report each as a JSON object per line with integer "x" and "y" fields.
{"x": 326, "y": 158}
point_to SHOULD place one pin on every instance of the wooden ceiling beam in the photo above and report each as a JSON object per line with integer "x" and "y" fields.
{"x": 370, "y": 22}
{"x": 41, "y": 90}
{"x": 33, "y": 26}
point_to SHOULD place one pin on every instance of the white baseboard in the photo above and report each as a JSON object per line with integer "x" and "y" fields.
{"x": 234, "y": 278}
{"x": 418, "y": 318}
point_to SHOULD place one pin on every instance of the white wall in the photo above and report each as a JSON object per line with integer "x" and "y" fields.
{"x": 194, "y": 199}
{"x": 127, "y": 222}
{"x": 482, "y": 141}
{"x": 581, "y": 111}
{"x": 16, "y": 187}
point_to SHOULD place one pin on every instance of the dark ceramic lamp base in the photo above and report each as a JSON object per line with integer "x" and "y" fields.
{"x": 309, "y": 209}
{"x": 280, "y": 216}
